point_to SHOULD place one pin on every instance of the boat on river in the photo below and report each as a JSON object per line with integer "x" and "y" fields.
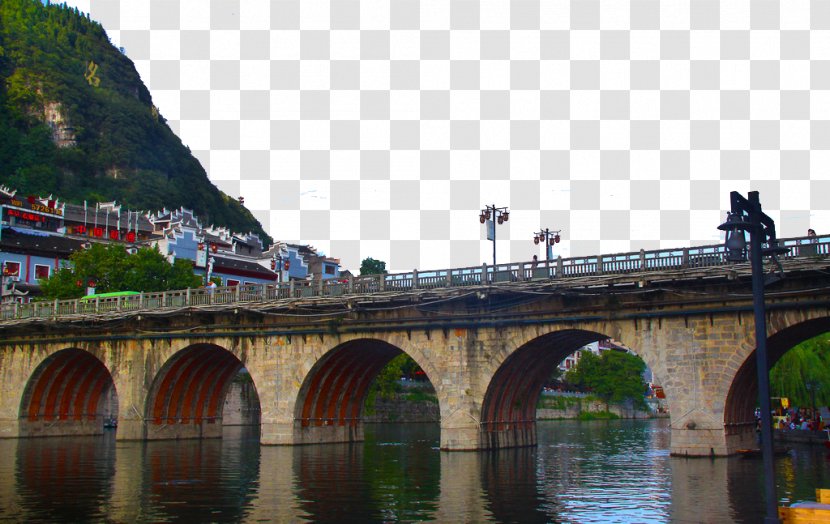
{"x": 804, "y": 512}
{"x": 778, "y": 451}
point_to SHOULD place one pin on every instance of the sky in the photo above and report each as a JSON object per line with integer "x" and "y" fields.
{"x": 381, "y": 129}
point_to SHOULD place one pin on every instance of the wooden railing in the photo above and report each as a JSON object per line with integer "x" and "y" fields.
{"x": 561, "y": 268}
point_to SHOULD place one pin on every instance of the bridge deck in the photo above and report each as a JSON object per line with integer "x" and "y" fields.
{"x": 636, "y": 269}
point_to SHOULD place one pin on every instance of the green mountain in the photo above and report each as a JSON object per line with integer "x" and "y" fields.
{"x": 77, "y": 122}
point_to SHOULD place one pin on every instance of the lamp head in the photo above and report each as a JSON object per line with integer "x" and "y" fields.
{"x": 735, "y": 239}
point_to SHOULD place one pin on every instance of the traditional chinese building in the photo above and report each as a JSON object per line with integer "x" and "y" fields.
{"x": 37, "y": 236}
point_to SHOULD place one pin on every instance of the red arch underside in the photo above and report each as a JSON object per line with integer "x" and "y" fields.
{"x": 193, "y": 386}
{"x": 514, "y": 390}
{"x": 68, "y": 387}
{"x": 337, "y": 390}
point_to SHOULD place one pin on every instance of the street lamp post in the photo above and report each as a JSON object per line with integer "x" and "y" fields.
{"x": 550, "y": 238}
{"x": 279, "y": 264}
{"x": 746, "y": 216}
{"x": 498, "y": 214}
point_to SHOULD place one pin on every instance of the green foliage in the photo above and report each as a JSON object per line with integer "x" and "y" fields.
{"x": 613, "y": 376}
{"x": 557, "y": 402}
{"x": 420, "y": 395}
{"x": 125, "y": 151}
{"x": 370, "y": 266}
{"x": 597, "y": 415}
{"x": 113, "y": 269}
{"x": 387, "y": 384}
{"x": 806, "y": 364}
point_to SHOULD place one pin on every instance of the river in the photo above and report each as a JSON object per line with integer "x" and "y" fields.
{"x": 599, "y": 471}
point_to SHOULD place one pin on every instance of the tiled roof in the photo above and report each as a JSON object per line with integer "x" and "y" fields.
{"x": 249, "y": 267}
{"x": 75, "y": 213}
{"x": 49, "y": 245}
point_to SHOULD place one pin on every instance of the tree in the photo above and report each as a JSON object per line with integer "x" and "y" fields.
{"x": 613, "y": 376}
{"x": 370, "y": 266}
{"x": 806, "y": 363}
{"x": 111, "y": 268}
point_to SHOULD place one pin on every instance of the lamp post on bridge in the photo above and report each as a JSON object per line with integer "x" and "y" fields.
{"x": 498, "y": 214}
{"x": 205, "y": 259}
{"x": 279, "y": 264}
{"x": 746, "y": 216}
{"x": 549, "y": 238}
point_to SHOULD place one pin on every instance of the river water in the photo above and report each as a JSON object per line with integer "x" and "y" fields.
{"x": 600, "y": 471}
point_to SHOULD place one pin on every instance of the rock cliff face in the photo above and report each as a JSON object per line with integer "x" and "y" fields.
{"x": 76, "y": 121}
{"x": 63, "y": 133}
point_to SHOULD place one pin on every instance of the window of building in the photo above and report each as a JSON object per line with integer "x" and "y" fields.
{"x": 11, "y": 269}
{"x": 41, "y": 271}
{"x": 231, "y": 282}
{"x": 327, "y": 269}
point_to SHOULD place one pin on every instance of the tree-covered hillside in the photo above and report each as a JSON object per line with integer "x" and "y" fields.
{"x": 77, "y": 122}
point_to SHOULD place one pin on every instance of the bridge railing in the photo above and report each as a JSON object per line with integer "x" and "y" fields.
{"x": 561, "y": 268}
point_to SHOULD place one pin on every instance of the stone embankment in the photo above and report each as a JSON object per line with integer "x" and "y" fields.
{"x": 401, "y": 409}
{"x": 591, "y": 406}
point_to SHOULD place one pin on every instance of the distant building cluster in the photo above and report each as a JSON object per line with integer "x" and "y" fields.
{"x": 38, "y": 235}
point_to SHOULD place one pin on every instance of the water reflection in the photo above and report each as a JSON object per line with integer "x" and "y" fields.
{"x": 388, "y": 478}
{"x": 49, "y": 472}
{"x": 201, "y": 480}
{"x": 512, "y": 487}
{"x": 618, "y": 471}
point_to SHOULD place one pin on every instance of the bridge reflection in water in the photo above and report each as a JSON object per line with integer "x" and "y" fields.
{"x": 599, "y": 471}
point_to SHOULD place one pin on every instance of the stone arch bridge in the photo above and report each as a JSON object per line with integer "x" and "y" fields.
{"x": 487, "y": 345}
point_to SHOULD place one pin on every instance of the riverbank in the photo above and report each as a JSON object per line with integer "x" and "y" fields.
{"x": 420, "y": 405}
{"x": 556, "y": 407}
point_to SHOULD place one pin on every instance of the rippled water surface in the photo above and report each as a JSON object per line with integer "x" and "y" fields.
{"x": 617, "y": 471}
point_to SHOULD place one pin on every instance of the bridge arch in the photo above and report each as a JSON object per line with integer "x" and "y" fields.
{"x": 742, "y": 394}
{"x": 188, "y": 393}
{"x": 508, "y": 411}
{"x": 330, "y": 400}
{"x": 70, "y": 393}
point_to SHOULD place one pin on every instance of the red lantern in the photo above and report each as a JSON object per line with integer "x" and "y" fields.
{"x": 114, "y": 234}
{"x": 556, "y": 239}
{"x": 535, "y": 240}
{"x": 213, "y": 248}
{"x": 286, "y": 265}
{"x": 273, "y": 264}
{"x": 91, "y": 283}
{"x": 79, "y": 283}
{"x": 98, "y": 232}
{"x": 131, "y": 236}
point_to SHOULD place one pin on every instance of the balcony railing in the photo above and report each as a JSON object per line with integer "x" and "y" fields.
{"x": 561, "y": 268}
